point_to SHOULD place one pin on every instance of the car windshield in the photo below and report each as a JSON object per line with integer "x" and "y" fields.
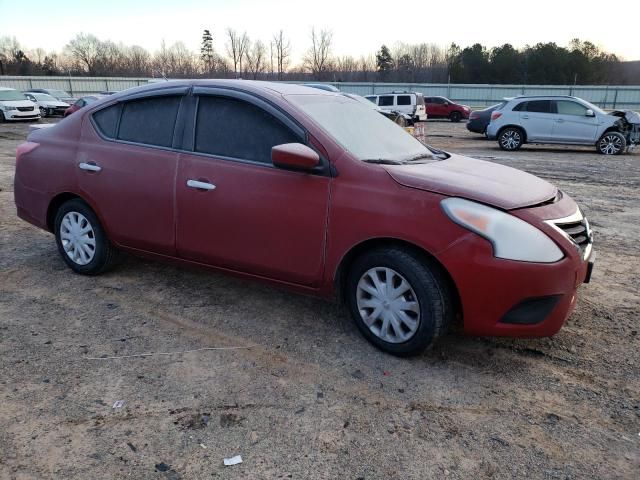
{"x": 361, "y": 130}
{"x": 44, "y": 97}
{"x": 11, "y": 95}
{"x": 60, "y": 94}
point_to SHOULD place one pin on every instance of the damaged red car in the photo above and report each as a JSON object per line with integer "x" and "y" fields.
{"x": 313, "y": 191}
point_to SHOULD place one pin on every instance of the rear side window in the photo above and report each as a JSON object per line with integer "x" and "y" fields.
{"x": 404, "y": 100}
{"x": 521, "y": 107}
{"x": 233, "y": 128}
{"x": 539, "y": 106}
{"x": 372, "y": 99}
{"x": 385, "y": 101}
{"x": 149, "y": 120}
{"x": 107, "y": 120}
{"x": 567, "y": 107}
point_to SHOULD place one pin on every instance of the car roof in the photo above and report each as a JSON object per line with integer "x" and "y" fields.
{"x": 541, "y": 97}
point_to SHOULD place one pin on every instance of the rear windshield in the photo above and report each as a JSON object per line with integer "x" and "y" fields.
{"x": 10, "y": 95}
{"x": 365, "y": 133}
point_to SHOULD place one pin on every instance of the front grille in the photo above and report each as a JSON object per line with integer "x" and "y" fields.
{"x": 575, "y": 228}
{"x": 25, "y": 109}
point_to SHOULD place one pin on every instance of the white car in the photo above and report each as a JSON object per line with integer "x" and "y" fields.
{"x": 15, "y": 106}
{"x": 410, "y": 103}
{"x": 47, "y": 104}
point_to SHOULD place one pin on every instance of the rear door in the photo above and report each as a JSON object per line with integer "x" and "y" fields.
{"x": 244, "y": 214}
{"x": 127, "y": 167}
{"x": 537, "y": 118}
{"x": 572, "y": 124}
{"x": 404, "y": 104}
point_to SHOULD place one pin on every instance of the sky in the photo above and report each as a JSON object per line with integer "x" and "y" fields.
{"x": 358, "y": 27}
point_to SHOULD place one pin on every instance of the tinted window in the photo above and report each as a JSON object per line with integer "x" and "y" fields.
{"x": 372, "y": 99}
{"x": 539, "y": 106}
{"x": 237, "y": 129}
{"x": 521, "y": 107}
{"x": 438, "y": 100}
{"x": 567, "y": 107}
{"x": 107, "y": 120}
{"x": 150, "y": 120}
{"x": 385, "y": 100}
{"x": 404, "y": 100}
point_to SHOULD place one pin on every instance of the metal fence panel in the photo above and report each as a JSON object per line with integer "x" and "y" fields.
{"x": 474, "y": 95}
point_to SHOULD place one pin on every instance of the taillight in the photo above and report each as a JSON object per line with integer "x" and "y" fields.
{"x": 474, "y": 115}
{"x": 495, "y": 115}
{"x": 25, "y": 148}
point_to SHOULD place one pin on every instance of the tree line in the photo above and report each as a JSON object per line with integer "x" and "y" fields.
{"x": 581, "y": 62}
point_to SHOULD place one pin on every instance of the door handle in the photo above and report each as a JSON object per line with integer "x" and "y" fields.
{"x": 200, "y": 185}
{"x": 91, "y": 167}
{"x": 525, "y": 117}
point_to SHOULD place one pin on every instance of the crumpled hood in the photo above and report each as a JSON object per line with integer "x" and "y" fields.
{"x": 486, "y": 182}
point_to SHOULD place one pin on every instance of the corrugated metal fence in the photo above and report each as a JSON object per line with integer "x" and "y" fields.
{"x": 474, "y": 95}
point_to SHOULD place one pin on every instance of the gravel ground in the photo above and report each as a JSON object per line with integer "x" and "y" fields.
{"x": 306, "y": 396}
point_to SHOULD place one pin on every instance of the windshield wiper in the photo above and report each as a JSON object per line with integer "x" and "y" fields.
{"x": 420, "y": 156}
{"x": 383, "y": 161}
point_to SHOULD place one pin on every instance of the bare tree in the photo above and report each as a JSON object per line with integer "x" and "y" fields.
{"x": 87, "y": 50}
{"x": 282, "y": 52}
{"x": 256, "y": 58}
{"x": 236, "y": 48}
{"x": 318, "y": 56}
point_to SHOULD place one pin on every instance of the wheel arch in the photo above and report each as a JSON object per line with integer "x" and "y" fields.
{"x": 511, "y": 125}
{"x": 59, "y": 199}
{"x": 347, "y": 260}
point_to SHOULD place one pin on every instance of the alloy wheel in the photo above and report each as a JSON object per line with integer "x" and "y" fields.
{"x": 610, "y": 144}
{"x": 388, "y": 305}
{"x": 510, "y": 140}
{"x": 78, "y": 238}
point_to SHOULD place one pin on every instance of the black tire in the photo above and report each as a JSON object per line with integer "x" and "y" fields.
{"x": 612, "y": 143}
{"x": 43, "y": 112}
{"x": 104, "y": 253}
{"x": 427, "y": 283}
{"x": 2, "y": 117}
{"x": 511, "y": 138}
{"x": 455, "y": 117}
{"x": 400, "y": 120}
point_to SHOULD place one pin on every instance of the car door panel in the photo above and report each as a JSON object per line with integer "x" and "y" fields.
{"x": 572, "y": 125}
{"x": 537, "y": 120}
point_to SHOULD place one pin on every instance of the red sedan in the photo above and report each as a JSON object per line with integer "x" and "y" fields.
{"x": 313, "y": 191}
{"x": 442, "y": 107}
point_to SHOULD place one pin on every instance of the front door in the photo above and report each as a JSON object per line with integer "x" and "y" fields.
{"x": 235, "y": 210}
{"x": 572, "y": 124}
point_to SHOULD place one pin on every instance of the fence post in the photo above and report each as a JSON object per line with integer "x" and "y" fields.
{"x": 373, "y": 88}
{"x": 70, "y": 86}
{"x": 615, "y": 99}
{"x": 30, "y": 83}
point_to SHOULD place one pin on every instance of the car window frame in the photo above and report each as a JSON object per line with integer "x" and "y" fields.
{"x": 191, "y": 113}
{"x": 409, "y": 96}
{"x": 557, "y": 101}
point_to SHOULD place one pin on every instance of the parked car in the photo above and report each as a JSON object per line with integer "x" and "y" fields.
{"x": 47, "y": 105}
{"x": 55, "y": 93}
{"x": 401, "y": 119}
{"x": 312, "y": 191}
{"x": 442, "y": 107}
{"x": 15, "y": 106}
{"x": 82, "y": 102}
{"x": 410, "y": 103}
{"x": 563, "y": 120}
{"x": 480, "y": 119}
{"x": 322, "y": 86}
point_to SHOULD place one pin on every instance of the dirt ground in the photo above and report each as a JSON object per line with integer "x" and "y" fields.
{"x": 307, "y": 397}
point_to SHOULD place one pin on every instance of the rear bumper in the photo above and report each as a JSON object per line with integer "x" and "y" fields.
{"x": 509, "y": 298}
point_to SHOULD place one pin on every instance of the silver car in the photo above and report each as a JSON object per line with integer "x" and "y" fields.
{"x": 563, "y": 120}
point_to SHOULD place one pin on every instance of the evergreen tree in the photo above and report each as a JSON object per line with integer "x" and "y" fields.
{"x": 384, "y": 62}
{"x": 206, "y": 51}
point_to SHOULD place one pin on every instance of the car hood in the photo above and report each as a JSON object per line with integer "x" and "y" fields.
{"x": 486, "y": 182}
{"x": 51, "y": 103}
{"x": 17, "y": 103}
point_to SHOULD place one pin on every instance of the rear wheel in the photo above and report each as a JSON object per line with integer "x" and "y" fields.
{"x": 81, "y": 240}
{"x": 612, "y": 143}
{"x": 455, "y": 117}
{"x": 511, "y": 138}
{"x": 2, "y": 118}
{"x": 400, "y": 302}
{"x": 400, "y": 120}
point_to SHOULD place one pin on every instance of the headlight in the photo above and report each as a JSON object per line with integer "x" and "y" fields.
{"x": 512, "y": 238}
{"x": 7, "y": 108}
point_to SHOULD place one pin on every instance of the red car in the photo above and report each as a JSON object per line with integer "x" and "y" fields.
{"x": 82, "y": 102}
{"x": 313, "y": 191}
{"x": 442, "y": 107}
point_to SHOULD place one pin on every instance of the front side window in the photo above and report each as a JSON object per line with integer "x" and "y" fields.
{"x": 438, "y": 100}
{"x": 404, "y": 100}
{"x": 237, "y": 129}
{"x": 539, "y": 106}
{"x": 567, "y": 107}
{"x": 149, "y": 120}
{"x": 385, "y": 100}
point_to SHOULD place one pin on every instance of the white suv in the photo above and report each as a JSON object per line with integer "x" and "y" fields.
{"x": 409, "y": 103}
{"x": 564, "y": 120}
{"x": 15, "y": 106}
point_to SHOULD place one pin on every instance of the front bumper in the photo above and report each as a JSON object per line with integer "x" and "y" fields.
{"x": 18, "y": 115}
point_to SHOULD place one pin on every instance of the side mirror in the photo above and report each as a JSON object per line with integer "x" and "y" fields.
{"x": 294, "y": 156}
{"x": 589, "y": 113}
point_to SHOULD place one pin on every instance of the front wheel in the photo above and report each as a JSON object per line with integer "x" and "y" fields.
{"x": 81, "y": 240}
{"x": 612, "y": 143}
{"x": 400, "y": 301}
{"x": 510, "y": 138}
{"x": 43, "y": 112}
